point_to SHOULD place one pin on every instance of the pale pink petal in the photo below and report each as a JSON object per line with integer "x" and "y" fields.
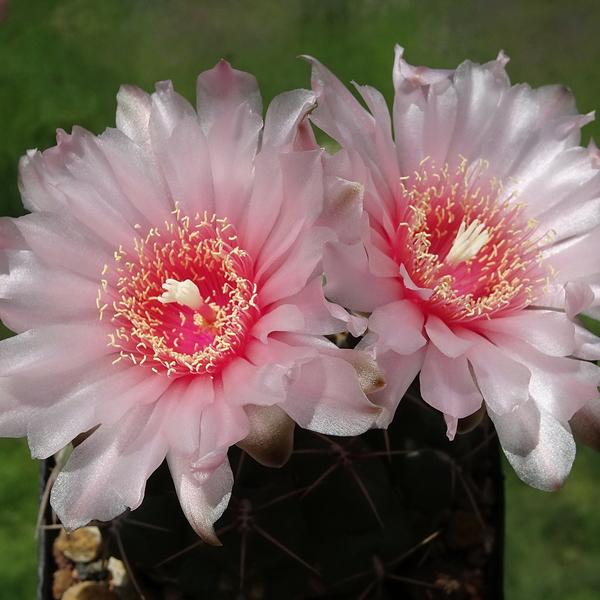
{"x": 560, "y": 385}
{"x": 355, "y": 324}
{"x": 203, "y": 491}
{"x": 383, "y": 140}
{"x": 398, "y": 372}
{"x": 447, "y": 384}
{"x": 57, "y": 237}
{"x": 232, "y": 143}
{"x": 297, "y": 270}
{"x": 399, "y": 326}
{"x": 168, "y": 109}
{"x": 343, "y": 207}
{"x": 284, "y": 116}
{"x": 592, "y": 282}
{"x": 540, "y": 448}
{"x": 76, "y": 409}
{"x": 578, "y": 297}
{"x": 570, "y": 258}
{"x": 245, "y": 383}
{"x": 83, "y": 491}
{"x": 229, "y": 112}
{"x": 326, "y": 397}
{"x": 447, "y": 340}
{"x": 145, "y": 389}
{"x": 25, "y": 397}
{"x": 549, "y": 332}
{"x": 221, "y": 90}
{"x": 555, "y": 100}
{"x": 33, "y": 295}
{"x": 89, "y": 188}
{"x": 300, "y": 205}
{"x": 571, "y": 188}
{"x": 503, "y": 381}
{"x": 350, "y": 281}
{"x": 185, "y": 169}
{"x": 44, "y": 351}
{"x": 587, "y": 344}
{"x": 262, "y": 207}
{"x": 139, "y": 177}
{"x": 133, "y": 112}
{"x": 348, "y": 166}
{"x": 175, "y": 164}
{"x": 286, "y": 317}
{"x": 263, "y": 378}
{"x": 191, "y": 395}
{"x": 144, "y": 451}
{"x": 377, "y": 246}
{"x": 35, "y": 169}
{"x": 318, "y": 315}
{"x": 222, "y": 424}
{"x": 420, "y": 76}
{"x": 356, "y": 126}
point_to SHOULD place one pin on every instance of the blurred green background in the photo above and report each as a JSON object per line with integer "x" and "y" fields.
{"x": 62, "y": 61}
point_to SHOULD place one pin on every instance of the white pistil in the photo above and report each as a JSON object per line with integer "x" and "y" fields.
{"x": 468, "y": 242}
{"x": 186, "y": 293}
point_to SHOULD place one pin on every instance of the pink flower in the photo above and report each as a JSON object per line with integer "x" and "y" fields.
{"x": 167, "y": 293}
{"x": 480, "y": 245}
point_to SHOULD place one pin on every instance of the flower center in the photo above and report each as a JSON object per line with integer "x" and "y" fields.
{"x": 185, "y": 301}
{"x": 471, "y": 249}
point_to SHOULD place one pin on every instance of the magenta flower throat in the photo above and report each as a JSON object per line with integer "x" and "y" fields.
{"x": 186, "y": 302}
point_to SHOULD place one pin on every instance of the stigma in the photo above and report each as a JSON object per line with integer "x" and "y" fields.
{"x": 186, "y": 293}
{"x": 467, "y": 243}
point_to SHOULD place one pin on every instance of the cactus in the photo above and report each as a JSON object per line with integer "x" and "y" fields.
{"x": 398, "y": 514}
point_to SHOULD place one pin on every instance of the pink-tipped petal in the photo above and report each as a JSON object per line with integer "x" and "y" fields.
{"x": 82, "y": 491}
{"x": 203, "y": 491}
{"x": 284, "y": 115}
{"x": 503, "y": 382}
{"x": 399, "y": 327}
{"x": 326, "y": 397}
{"x": 398, "y": 372}
{"x": 221, "y": 90}
{"x": 448, "y": 384}
{"x": 350, "y": 282}
{"x": 540, "y": 448}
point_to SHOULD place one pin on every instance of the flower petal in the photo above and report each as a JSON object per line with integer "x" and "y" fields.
{"x": 327, "y": 398}
{"x": 350, "y": 283}
{"x": 399, "y": 326}
{"x": 540, "y": 448}
{"x": 203, "y": 491}
{"x": 447, "y": 384}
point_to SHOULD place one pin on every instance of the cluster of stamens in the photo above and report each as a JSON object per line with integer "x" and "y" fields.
{"x": 184, "y": 301}
{"x": 464, "y": 241}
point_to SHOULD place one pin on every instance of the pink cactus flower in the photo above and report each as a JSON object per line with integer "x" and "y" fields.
{"x": 167, "y": 293}
{"x": 480, "y": 245}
